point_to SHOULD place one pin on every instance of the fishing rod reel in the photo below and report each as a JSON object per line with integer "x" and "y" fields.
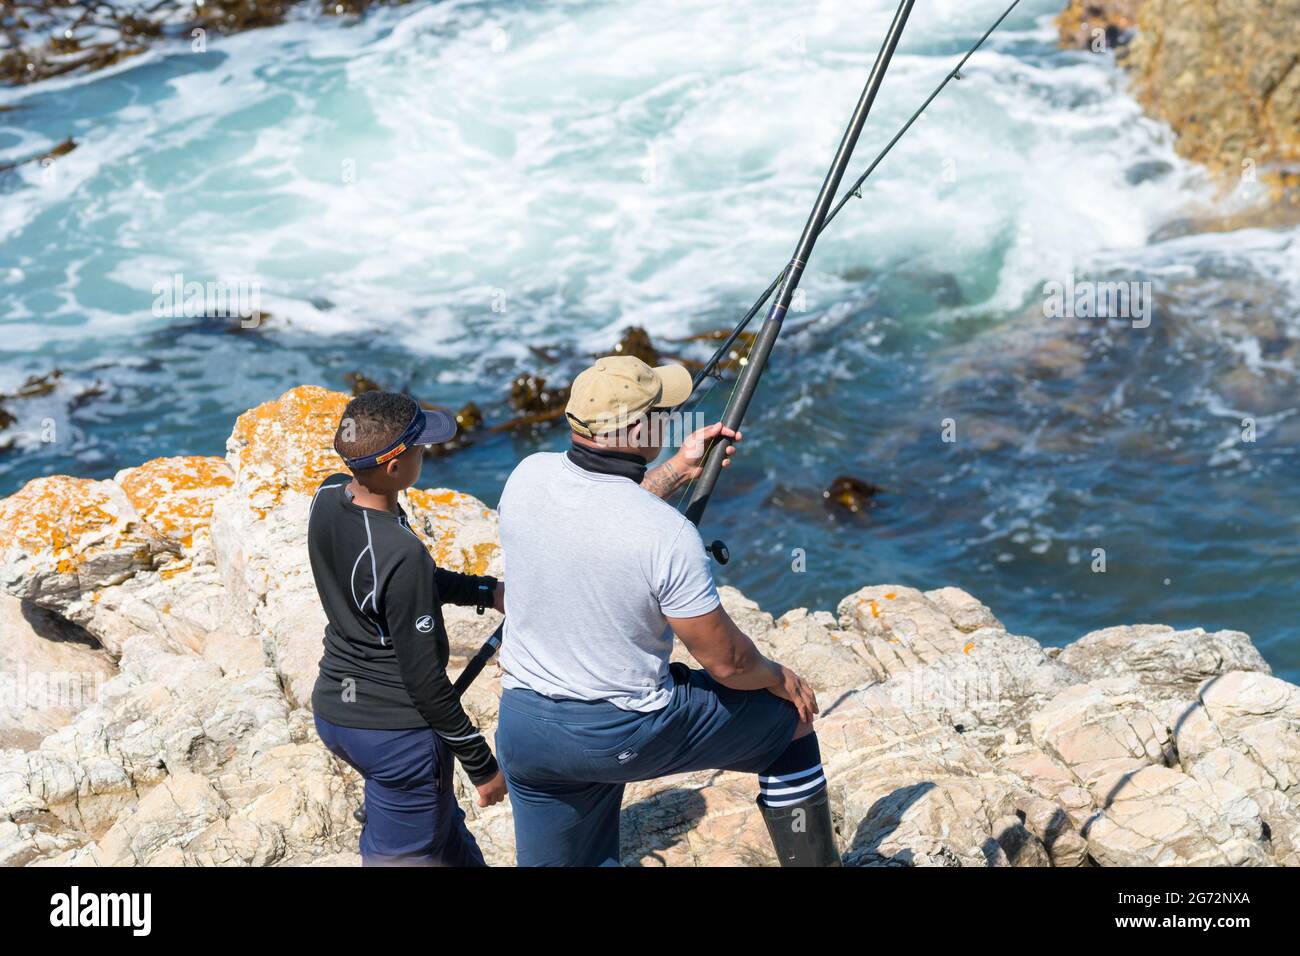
{"x": 719, "y": 551}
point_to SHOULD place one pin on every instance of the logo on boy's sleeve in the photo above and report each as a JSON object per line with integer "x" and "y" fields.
{"x": 424, "y": 625}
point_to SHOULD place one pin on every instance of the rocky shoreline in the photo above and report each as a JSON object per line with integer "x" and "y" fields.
{"x": 160, "y": 634}
{"x": 40, "y": 39}
{"x": 1224, "y": 76}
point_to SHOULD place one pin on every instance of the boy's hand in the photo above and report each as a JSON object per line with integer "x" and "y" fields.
{"x": 494, "y": 791}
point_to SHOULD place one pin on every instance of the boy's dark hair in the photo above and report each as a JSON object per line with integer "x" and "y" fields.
{"x": 371, "y": 422}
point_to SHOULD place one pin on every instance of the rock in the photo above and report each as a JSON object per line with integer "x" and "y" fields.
{"x": 1097, "y": 25}
{"x": 966, "y": 613}
{"x": 458, "y": 529}
{"x": 946, "y": 654}
{"x": 67, "y": 538}
{"x": 1223, "y": 75}
{"x": 50, "y": 670}
{"x": 174, "y": 497}
{"x": 910, "y": 791}
{"x": 1160, "y": 656}
{"x": 703, "y": 819}
{"x": 1019, "y": 846}
{"x": 83, "y": 550}
{"x": 1158, "y": 816}
{"x": 278, "y": 453}
{"x": 1049, "y": 778}
{"x": 194, "y": 572}
{"x": 45, "y": 40}
{"x": 171, "y": 815}
{"x": 749, "y": 617}
{"x": 1099, "y": 729}
{"x": 1171, "y": 782}
{"x": 947, "y": 740}
{"x": 107, "y": 784}
{"x": 811, "y": 643}
{"x": 1261, "y": 714}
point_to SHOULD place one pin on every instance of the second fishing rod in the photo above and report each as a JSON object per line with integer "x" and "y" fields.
{"x": 789, "y": 282}
{"x": 852, "y": 191}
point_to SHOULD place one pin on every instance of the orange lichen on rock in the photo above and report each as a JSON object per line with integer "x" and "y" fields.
{"x": 440, "y": 517}
{"x": 474, "y": 559}
{"x": 286, "y": 445}
{"x": 439, "y": 502}
{"x": 175, "y": 496}
{"x": 1225, "y": 77}
{"x": 175, "y": 569}
{"x": 64, "y": 523}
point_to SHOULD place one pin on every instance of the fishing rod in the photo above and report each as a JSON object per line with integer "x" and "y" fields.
{"x": 854, "y": 191}
{"x": 479, "y": 660}
{"x": 747, "y": 382}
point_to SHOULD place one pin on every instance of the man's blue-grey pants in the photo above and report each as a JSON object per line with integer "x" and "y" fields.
{"x": 566, "y": 761}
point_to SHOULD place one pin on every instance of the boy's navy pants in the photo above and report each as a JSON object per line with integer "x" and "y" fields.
{"x": 412, "y": 818}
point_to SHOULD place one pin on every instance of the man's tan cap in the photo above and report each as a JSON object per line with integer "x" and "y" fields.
{"x": 617, "y": 390}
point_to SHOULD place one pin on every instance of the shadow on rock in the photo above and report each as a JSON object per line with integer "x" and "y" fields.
{"x": 659, "y": 823}
{"x": 54, "y": 627}
{"x": 884, "y": 817}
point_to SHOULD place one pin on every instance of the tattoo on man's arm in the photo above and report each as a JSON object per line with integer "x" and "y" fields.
{"x": 663, "y": 481}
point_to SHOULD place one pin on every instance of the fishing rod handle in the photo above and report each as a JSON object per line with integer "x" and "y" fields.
{"x": 479, "y": 661}
{"x": 746, "y": 385}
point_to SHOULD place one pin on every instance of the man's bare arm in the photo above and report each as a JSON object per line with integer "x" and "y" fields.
{"x": 664, "y": 480}
{"x": 731, "y": 658}
{"x": 688, "y": 463}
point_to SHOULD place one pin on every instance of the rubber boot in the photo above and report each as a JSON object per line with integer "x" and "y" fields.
{"x": 802, "y": 833}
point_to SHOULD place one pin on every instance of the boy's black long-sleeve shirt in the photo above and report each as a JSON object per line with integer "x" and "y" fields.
{"x": 385, "y": 660}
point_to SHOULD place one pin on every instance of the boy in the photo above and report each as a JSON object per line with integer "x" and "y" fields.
{"x": 382, "y": 700}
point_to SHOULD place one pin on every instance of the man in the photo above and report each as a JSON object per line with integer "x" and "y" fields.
{"x": 602, "y": 574}
{"x": 382, "y": 700}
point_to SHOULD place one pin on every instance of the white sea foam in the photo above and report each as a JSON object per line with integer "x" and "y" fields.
{"x": 581, "y": 166}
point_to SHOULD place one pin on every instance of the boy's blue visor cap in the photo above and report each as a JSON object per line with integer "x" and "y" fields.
{"x": 428, "y": 427}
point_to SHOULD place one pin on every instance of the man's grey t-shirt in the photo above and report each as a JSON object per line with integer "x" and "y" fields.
{"x": 594, "y": 564}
